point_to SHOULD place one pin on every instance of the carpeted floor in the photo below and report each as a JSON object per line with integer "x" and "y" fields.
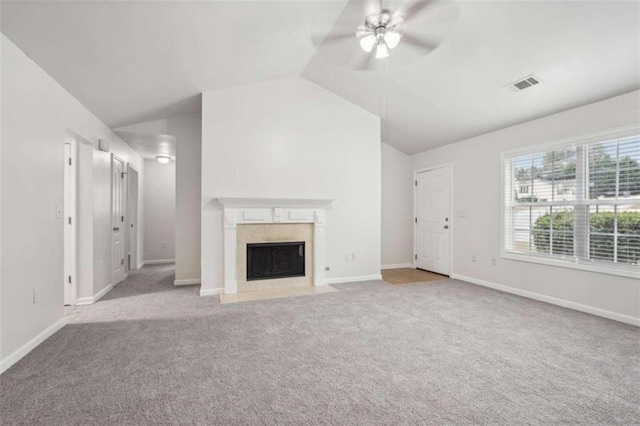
{"x": 443, "y": 352}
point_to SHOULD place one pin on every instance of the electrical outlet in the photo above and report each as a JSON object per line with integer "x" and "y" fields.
{"x": 347, "y": 257}
{"x": 474, "y": 258}
{"x": 58, "y": 212}
{"x": 494, "y": 261}
{"x": 36, "y": 296}
{"x": 353, "y": 256}
{"x": 164, "y": 244}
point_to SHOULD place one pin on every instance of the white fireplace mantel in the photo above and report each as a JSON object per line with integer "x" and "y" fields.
{"x": 274, "y": 202}
{"x": 239, "y": 211}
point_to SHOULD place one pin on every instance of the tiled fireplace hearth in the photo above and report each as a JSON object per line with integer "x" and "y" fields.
{"x": 266, "y": 221}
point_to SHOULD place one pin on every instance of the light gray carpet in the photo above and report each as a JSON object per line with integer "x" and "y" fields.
{"x": 438, "y": 353}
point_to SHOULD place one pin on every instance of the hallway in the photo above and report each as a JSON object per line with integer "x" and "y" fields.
{"x": 147, "y": 293}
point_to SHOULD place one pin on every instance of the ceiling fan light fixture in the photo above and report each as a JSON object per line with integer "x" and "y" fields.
{"x": 163, "y": 159}
{"x": 391, "y": 39}
{"x": 368, "y": 42}
{"x": 381, "y": 50}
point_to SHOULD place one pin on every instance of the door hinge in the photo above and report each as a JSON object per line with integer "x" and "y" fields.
{"x": 416, "y": 219}
{"x": 416, "y": 183}
{"x": 69, "y": 279}
{"x": 122, "y": 175}
{"x": 121, "y": 218}
{"x": 416, "y": 257}
{"x": 69, "y": 161}
{"x": 69, "y": 220}
{"x": 122, "y": 261}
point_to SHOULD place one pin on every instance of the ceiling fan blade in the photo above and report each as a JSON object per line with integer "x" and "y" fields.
{"x": 363, "y": 31}
{"x": 417, "y": 10}
{"x": 422, "y": 43}
{"x": 317, "y": 40}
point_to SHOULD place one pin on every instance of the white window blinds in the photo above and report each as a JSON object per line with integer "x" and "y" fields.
{"x": 576, "y": 203}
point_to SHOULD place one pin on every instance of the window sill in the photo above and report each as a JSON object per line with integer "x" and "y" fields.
{"x": 629, "y": 272}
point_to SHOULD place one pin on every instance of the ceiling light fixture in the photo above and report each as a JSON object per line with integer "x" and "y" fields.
{"x": 381, "y": 50}
{"x": 163, "y": 159}
{"x": 381, "y": 31}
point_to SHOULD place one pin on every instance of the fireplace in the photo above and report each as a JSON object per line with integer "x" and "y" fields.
{"x": 273, "y": 220}
{"x": 275, "y": 260}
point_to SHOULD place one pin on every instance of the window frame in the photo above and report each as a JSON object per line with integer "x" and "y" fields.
{"x": 609, "y": 268}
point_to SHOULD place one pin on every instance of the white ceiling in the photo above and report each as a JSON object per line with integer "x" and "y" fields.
{"x": 130, "y": 62}
{"x": 150, "y": 145}
{"x": 582, "y": 51}
{"x": 135, "y": 61}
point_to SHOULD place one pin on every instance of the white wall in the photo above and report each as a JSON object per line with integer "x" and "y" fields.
{"x": 292, "y": 139}
{"x": 37, "y": 113}
{"x": 476, "y": 178}
{"x": 159, "y": 217}
{"x": 188, "y": 132}
{"x": 397, "y": 208}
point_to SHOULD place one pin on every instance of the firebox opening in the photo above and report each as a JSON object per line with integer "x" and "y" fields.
{"x": 275, "y": 260}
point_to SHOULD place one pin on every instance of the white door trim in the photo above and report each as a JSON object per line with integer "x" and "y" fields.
{"x": 130, "y": 220}
{"x": 452, "y": 225}
{"x": 70, "y": 222}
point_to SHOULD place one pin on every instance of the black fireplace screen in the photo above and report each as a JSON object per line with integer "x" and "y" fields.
{"x": 275, "y": 260}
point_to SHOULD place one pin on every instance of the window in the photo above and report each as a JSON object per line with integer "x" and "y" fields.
{"x": 581, "y": 207}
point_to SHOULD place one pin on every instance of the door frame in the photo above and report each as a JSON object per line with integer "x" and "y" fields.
{"x": 70, "y": 222}
{"x": 130, "y": 169}
{"x": 451, "y": 210}
{"x": 114, "y": 157}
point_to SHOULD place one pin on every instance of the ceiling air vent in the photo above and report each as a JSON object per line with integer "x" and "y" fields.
{"x": 524, "y": 83}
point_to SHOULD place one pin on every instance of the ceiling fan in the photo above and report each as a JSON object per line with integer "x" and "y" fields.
{"x": 402, "y": 31}
{"x": 381, "y": 30}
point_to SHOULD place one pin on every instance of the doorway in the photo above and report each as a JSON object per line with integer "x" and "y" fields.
{"x": 117, "y": 220}
{"x": 70, "y": 222}
{"x": 432, "y": 237}
{"x": 132, "y": 214}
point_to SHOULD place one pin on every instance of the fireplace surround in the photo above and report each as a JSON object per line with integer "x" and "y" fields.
{"x": 270, "y": 211}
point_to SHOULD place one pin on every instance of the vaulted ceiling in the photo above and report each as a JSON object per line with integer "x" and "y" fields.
{"x": 136, "y": 61}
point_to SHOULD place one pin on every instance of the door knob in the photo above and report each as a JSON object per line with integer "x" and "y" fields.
{"x": 446, "y": 227}
{"x": 116, "y": 229}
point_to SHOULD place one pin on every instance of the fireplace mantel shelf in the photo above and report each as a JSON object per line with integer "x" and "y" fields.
{"x": 300, "y": 203}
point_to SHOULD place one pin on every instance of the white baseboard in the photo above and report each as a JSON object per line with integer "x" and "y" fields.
{"x": 191, "y": 281}
{"x": 157, "y": 262}
{"x": 95, "y": 297}
{"x": 352, "y": 279}
{"x": 552, "y": 300}
{"x": 397, "y": 266}
{"x": 19, "y": 353}
{"x": 211, "y": 291}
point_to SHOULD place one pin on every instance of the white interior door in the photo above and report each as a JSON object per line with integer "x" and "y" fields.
{"x": 433, "y": 220}
{"x": 132, "y": 210}
{"x": 117, "y": 220}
